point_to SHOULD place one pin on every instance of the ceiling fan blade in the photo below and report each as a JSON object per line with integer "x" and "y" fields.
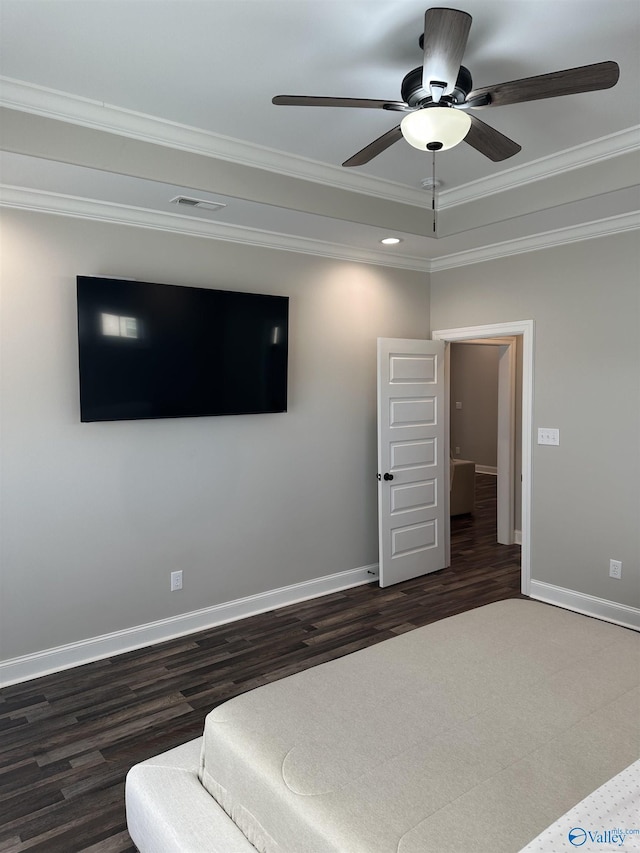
{"x": 586, "y": 78}
{"x": 490, "y": 142}
{"x": 445, "y": 39}
{"x": 312, "y": 101}
{"x": 374, "y": 148}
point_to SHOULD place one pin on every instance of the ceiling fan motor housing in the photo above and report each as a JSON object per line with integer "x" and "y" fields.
{"x": 415, "y": 95}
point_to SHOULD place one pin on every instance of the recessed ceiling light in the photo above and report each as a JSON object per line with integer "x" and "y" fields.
{"x": 391, "y": 241}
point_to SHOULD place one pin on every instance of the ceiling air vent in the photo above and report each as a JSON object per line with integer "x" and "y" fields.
{"x": 200, "y": 203}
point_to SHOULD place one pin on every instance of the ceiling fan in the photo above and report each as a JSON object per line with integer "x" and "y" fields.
{"x": 438, "y": 97}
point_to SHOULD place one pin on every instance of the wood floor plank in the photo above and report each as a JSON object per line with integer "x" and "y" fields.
{"x": 68, "y": 739}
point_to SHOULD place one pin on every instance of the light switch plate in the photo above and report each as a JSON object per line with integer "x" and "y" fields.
{"x": 546, "y": 435}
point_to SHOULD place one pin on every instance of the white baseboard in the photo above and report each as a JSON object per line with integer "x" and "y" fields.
{"x": 57, "y": 659}
{"x": 517, "y": 535}
{"x": 487, "y": 469}
{"x": 600, "y": 608}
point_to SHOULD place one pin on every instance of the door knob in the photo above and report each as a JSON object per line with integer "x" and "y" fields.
{"x": 388, "y": 476}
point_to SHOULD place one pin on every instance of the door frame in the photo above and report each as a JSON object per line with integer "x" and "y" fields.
{"x": 524, "y": 328}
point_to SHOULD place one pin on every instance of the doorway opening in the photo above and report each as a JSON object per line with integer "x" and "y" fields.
{"x": 488, "y": 373}
{"x": 502, "y": 334}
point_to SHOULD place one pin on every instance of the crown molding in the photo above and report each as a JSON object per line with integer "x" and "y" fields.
{"x": 41, "y": 201}
{"x": 86, "y": 112}
{"x": 545, "y": 240}
{"x": 587, "y": 154}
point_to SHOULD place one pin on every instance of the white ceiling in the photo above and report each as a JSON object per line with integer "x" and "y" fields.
{"x": 214, "y": 65}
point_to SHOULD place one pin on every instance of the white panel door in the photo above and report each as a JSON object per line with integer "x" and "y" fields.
{"x": 411, "y": 463}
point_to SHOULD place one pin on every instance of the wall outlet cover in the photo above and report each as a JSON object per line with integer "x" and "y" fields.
{"x": 615, "y": 569}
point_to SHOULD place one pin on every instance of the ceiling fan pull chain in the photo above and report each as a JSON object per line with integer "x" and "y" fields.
{"x": 433, "y": 192}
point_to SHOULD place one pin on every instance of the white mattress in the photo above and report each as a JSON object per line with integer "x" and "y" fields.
{"x": 474, "y": 733}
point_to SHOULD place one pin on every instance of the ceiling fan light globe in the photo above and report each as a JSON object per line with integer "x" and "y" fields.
{"x": 430, "y": 125}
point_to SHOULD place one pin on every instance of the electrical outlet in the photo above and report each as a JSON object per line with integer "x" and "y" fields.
{"x": 457, "y": 451}
{"x": 615, "y": 569}
{"x": 176, "y": 581}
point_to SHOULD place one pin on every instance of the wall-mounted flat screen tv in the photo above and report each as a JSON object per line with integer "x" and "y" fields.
{"x": 169, "y": 351}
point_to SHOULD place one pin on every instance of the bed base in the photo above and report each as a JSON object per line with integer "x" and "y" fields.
{"x": 168, "y": 810}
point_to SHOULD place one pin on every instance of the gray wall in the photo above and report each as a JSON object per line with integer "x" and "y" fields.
{"x": 95, "y": 516}
{"x": 474, "y": 384}
{"x": 585, "y": 300}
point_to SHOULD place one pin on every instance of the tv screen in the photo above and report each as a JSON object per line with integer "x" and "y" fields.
{"x": 168, "y": 351}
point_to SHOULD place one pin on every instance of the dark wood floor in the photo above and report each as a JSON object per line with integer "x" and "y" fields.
{"x": 67, "y": 740}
